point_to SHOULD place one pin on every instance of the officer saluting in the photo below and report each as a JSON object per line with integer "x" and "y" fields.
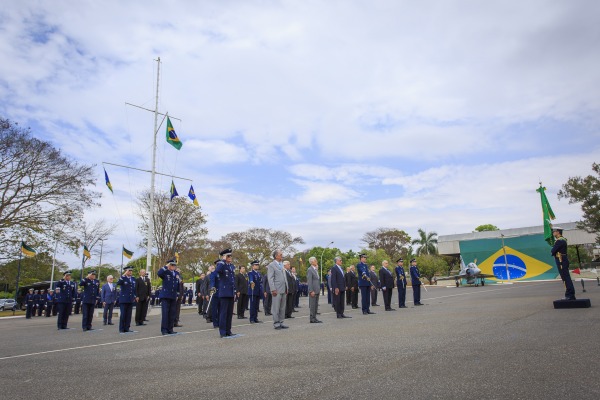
{"x": 559, "y": 252}
{"x": 126, "y": 299}
{"x": 65, "y": 293}
{"x": 401, "y": 283}
{"x": 29, "y": 303}
{"x": 226, "y": 291}
{"x": 91, "y": 288}
{"x": 415, "y": 279}
{"x": 168, "y": 296}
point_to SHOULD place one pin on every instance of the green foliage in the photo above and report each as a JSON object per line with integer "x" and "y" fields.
{"x": 587, "y": 192}
{"x": 430, "y": 265}
{"x": 7, "y": 295}
{"x": 393, "y": 241}
{"x": 427, "y": 242}
{"x": 486, "y": 227}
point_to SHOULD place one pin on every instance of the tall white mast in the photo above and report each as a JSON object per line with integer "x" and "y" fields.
{"x": 153, "y": 173}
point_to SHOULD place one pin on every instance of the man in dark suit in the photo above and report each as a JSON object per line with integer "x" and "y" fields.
{"x": 241, "y": 284}
{"x": 348, "y": 291}
{"x": 353, "y": 286}
{"x": 338, "y": 287}
{"x": 267, "y": 297}
{"x": 291, "y": 294}
{"x": 199, "y": 296}
{"x": 386, "y": 281}
{"x": 143, "y": 288}
{"x": 375, "y": 288}
{"x": 109, "y": 298}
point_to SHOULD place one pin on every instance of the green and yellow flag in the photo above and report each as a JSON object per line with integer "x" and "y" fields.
{"x": 173, "y": 190}
{"x": 27, "y": 251}
{"x": 172, "y": 138}
{"x": 86, "y": 252}
{"x": 107, "y": 181}
{"x": 548, "y": 216}
{"x": 127, "y": 253}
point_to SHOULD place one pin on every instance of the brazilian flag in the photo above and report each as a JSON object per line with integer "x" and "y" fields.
{"x": 173, "y": 190}
{"x": 172, "y": 138}
{"x": 127, "y": 253}
{"x": 548, "y": 216}
{"x": 108, "y": 181}
{"x": 27, "y": 251}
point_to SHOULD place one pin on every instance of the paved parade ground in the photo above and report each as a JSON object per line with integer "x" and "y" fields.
{"x": 493, "y": 342}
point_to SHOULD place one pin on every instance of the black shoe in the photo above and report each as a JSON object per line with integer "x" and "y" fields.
{"x": 346, "y": 316}
{"x": 110, "y": 323}
{"x": 418, "y": 304}
{"x": 374, "y": 305}
{"x": 354, "y": 308}
{"x": 230, "y": 334}
{"x": 316, "y": 321}
{"x": 178, "y": 326}
{"x": 289, "y": 317}
{"x": 172, "y": 333}
{"x": 318, "y": 313}
{"x": 370, "y": 312}
{"x": 283, "y": 326}
{"x": 104, "y": 322}
{"x": 278, "y": 327}
{"x": 256, "y": 321}
{"x": 165, "y": 333}
{"x": 339, "y": 316}
{"x": 402, "y": 307}
{"x": 222, "y": 336}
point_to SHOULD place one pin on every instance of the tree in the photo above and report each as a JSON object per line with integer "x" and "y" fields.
{"x": 39, "y": 188}
{"x": 486, "y": 227}
{"x": 392, "y": 241}
{"x": 94, "y": 233}
{"x": 587, "y": 192}
{"x": 430, "y": 265}
{"x": 427, "y": 242}
{"x": 178, "y": 225}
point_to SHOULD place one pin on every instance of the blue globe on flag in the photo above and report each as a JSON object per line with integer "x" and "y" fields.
{"x": 516, "y": 267}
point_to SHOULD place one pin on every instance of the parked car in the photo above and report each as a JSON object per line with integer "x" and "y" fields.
{"x": 8, "y": 304}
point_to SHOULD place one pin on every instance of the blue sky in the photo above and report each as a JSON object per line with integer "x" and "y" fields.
{"x": 324, "y": 119}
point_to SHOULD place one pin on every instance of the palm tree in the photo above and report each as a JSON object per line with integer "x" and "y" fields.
{"x": 427, "y": 242}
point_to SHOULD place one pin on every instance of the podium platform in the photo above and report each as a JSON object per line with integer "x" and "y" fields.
{"x": 579, "y": 303}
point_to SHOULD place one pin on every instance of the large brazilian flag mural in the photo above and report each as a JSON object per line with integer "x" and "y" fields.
{"x": 527, "y": 257}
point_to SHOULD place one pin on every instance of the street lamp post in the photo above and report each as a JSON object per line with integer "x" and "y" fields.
{"x": 56, "y": 248}
{"x": 100, "y": 262}
{"x": 323, "y": 252}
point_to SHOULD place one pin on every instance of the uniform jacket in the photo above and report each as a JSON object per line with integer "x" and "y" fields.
{"x": 560, "y": 246}
{"x": 337, "y": 280}
{"x": 127, "y": 294}
{"x": 313, "y": 281}
{"x": 170, "y": 283}
{"x": 363, "y": 274}
{"x": 415, "y": 275}
{"x": 226, "y": 273}
{"x": 108, "y": 296}
{"x": 66, "y": 292}
{"x": 386, "y": 279}
{"x": 91, "y": 288}
{"x": 400, "y": 277}
{"x": 276, "y": 277}
{"x": 254, "y": 276}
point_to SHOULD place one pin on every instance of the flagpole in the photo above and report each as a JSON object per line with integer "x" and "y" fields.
{"x": 18, "y": 273}
{"x": 100, "y": 262}
{"x": 152, "y": 179}
{"x": 122, "y": 260}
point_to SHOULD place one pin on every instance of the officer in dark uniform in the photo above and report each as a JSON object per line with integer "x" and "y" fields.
{"x": 215, "y": 304}
{"x": 91, "y": 289}
{"x": 199, "y": 296}
{"x": 168, "y": 295}
{"x": 401, "y": 283}
{"x": 226, "y": 272}
{"x": 49, "y": 302}
{"x": 254, "y": 292}
{"x": 364, "y": 284}
{"x": 559, "y": 252}
{"x": 41, "y": 302}
{"x": 77, "y": 301}
{"x": 65, "y": 293}
{"x": 29, "y": 303}
{"x": 126, "y": 299}
{"x": 241, "y": 284}
{"x": 415, "y": 280}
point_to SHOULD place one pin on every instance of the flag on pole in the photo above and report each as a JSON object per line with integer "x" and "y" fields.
{"x": 172, "y": 138}
{"x": 548, "y": 216}
{"x": 86, "y": 252}
{"x": 27, "y": 250}
{"x": 173, "y": 190}
{"x": 107, "y": 181}
{"x": 192, "y": 196}
{"x": 177, "y": 257}
{"x": 127, "y": 253}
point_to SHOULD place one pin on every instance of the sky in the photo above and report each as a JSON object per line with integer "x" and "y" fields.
{"x": 326, "y": 119}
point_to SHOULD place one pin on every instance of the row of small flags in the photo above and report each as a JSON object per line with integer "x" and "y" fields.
{"x": 29, "y": 251}
{"x": 173, "y": 140}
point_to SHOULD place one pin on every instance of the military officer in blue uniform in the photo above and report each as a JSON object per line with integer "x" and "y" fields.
{"x": 215, "y": 304}
{"x": 91, "y": 289}
{"x": 415, "y": 279}
{"x": 168, "y": 296}
{"x": 49, "y": 302}
{"x": 29, "y": 303}
{"x": 559, "y": 252}
{"x": 401, "y": 283}
{"x": 126, "y": 299}
{"x": 77, "y": 301}
{"x": 65, "y": 293}
{"x": 364, "y": 284}
{"x": 254, "y": 291}
{"x": 41, "y": 301}
{"x": 226, "y": 292}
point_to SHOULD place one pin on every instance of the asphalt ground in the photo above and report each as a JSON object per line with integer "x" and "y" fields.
{"x": 491, "y": 342}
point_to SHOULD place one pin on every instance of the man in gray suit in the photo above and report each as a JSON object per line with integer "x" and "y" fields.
{"x": 279, "y": 288}
{"x": 314, "y": 287}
